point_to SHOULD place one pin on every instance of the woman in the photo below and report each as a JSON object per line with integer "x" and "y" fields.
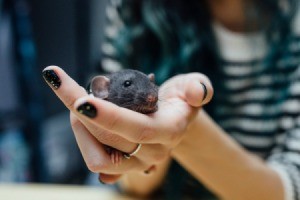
{"x": 245, "y": 145}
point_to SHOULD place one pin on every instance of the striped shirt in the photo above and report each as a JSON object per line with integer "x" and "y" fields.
{"x": 258, "y": 106}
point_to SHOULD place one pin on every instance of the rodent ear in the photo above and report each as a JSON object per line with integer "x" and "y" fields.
{"x": 151, "y": 77}
{"x": 100, "y": 86}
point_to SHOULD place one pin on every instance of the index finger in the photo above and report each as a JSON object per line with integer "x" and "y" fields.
{"x": 133, "y": 126}
{"x": 125, "y": 123}
{"x": 67, "y": 90}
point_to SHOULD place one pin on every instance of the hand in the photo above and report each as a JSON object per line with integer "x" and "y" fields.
{"x": 104, "y": 123}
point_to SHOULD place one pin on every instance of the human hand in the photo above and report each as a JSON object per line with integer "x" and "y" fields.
{"x": 107, "y": 124}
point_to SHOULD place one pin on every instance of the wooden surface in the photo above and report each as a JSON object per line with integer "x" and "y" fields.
{"x": 56, "y": 192}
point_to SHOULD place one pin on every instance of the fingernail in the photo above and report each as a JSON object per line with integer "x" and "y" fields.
{"x": 99, "y": 179}
{"x": 205, "y": 91}
{"x": 148, "y": 171}
{"x": 51, "y": 77}
{"x": 87, "y": 109}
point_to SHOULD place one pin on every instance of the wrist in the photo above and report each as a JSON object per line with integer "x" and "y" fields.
{"x": 197, "y": 137}
{"x": 206, "y": 141}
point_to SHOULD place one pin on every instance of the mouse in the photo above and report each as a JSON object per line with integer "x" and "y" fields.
{"x": 129, "y": 89}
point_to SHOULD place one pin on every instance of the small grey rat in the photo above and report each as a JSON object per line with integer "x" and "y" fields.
{"x": 127, "y": 88}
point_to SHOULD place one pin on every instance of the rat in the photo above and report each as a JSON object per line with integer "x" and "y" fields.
{"x": 129, "y": 89}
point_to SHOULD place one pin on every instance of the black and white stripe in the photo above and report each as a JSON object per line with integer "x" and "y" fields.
{"x": 258, "y": 106}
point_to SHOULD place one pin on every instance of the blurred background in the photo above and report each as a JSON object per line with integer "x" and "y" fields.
{"x": 36, "y": 140}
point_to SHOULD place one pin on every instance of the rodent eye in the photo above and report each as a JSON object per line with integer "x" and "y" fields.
{"x": 127, "y": 83}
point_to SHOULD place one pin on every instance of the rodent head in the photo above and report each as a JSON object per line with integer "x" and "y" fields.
{"x": 129, "y": 89}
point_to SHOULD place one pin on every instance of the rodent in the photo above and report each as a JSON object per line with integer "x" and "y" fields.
{"x": 127, "y": 88}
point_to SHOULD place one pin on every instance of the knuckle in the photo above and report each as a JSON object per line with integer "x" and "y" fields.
{"x": 107, "y": 137}
{"x": 97, "y": 130}
{"x": 145, "y": 135}
{"x": 99, "y": 134}
{"x": 113, "y": 120}
{"x": 69, "y": 102}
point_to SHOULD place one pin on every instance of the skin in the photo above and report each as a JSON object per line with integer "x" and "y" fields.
{"x": 229, "y": 13}
{"x": 122, "y": 129}
{"x": 243, "y": 176}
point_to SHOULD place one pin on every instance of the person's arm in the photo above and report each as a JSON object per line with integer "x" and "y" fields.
{"x": 224, "y": 166}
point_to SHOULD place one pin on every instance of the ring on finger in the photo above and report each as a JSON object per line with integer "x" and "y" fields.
{"x": 128, "y": 155}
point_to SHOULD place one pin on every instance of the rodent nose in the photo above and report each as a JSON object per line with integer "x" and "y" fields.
{"x": 151, "y": 98}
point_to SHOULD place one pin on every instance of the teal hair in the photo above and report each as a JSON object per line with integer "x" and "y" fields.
{"x": 175, "y": 36}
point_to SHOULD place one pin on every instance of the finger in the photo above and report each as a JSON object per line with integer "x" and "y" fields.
{"x": 152, "y": 153}
{"x": 95, "y": 156}
{"x": 198, "y": 90}
{"x": 69, "y": 91}
{"x": 108, "y": 138}
{"x": 136, "y": 127}
{"x": 109, "y": 178}
{"x": 63, "y": 85}
{"x": 133, "y": 126}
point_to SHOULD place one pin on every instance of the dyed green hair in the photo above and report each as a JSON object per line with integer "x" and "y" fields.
{"x": 175, "y": 36}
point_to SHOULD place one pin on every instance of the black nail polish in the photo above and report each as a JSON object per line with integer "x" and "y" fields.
{"x": 99, "y": 179}
{"x": 150, "y": 169}
{"x": 51, "y": 77}
{"x": 205, "y": 91}
{"x": 87, "y": 109}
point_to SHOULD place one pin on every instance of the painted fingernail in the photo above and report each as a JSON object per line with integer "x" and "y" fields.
{"x": 99, "y": 179}
{"x": 87, "y": 109}
{"x": 51, "y": 77}
{"x": 149, "y": 170}
{"x": 205, "y": 91}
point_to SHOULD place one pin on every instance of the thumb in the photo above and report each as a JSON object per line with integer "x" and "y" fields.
{"x": 198, "y": 90}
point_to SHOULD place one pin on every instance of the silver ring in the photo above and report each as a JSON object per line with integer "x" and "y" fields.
{"x": 128, "y": 155}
